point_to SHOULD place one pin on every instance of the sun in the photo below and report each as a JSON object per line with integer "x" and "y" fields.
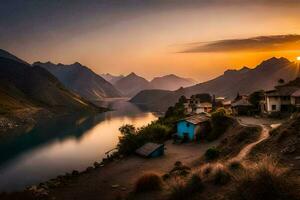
{"x": 298, "y": 58}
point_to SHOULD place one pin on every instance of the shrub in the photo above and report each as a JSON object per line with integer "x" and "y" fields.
{"x": 235, "y": 165}
{"x": 148, "y": 182}
{"x": 186, "y": 190}
{"x": 194, "y": 184}
{"x": 221, "y": 176}
{"x": 266, "y": 181}
{"x": 132, "y": 138}
{"x": 180, "y": 170}
{"x": 220, "y": 121}
{"x": 212, "y": 153}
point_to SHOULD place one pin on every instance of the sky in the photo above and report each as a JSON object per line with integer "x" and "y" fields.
{"x": 199, "y": 39}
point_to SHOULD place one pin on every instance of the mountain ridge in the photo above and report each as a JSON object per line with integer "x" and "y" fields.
{"x": 81, "y": 80}
{"x": 266, "y": 76}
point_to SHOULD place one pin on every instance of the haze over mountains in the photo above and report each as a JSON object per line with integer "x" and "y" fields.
{"x": 81, "y": 80}
{"x": 264, "y": 76}
{"x": 111, "y": 78}
{"x": 132, "y": 84}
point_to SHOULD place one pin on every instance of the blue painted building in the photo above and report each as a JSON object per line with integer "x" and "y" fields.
{"x": 151, "y": 150}
{"x": 190, "y": 126}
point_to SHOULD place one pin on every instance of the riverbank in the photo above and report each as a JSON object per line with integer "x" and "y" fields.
{"x": 117, "y": 178}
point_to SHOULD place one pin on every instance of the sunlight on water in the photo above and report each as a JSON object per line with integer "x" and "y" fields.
{"x": 44, "y": 154}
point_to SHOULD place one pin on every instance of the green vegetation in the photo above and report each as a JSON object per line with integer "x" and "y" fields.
{"x": 212, "y": 154}
{"x": 220, "y": 121}
{"x": 173, "y": 114}
{"x": 148, "y": 182}
{"x": 133, "y": 138}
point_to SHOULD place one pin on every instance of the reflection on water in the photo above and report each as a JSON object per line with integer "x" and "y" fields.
{"x": 64, "y": 144}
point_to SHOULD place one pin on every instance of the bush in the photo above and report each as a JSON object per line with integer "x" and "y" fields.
{"x": 212, "y": 154}
{"x": 266, "y": 181}
{"x": 132, "y": 138}
{"x": 220, "y": 121}
{"x": 235, "y": 165}
{"x": 148, "y": 182}
{"x": 187, "y": 190}
{"x": 221, "y": 176}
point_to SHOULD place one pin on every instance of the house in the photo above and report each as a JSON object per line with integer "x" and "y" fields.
{"x": 282, "y": 99}
{"x": 189, "y": 128}
{"x": 204, "y": 107}
{"x": 197, "y": 104}
{"x": 241, "y": 107}
{"x": 223, "y": 102}
{"x": 151, "y": 150}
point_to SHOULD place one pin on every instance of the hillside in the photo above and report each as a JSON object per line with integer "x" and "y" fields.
{"x": 81, "y": 80}
{"x": 266, "y": 76}
{"x": 29, "y": 93}
{"x": 132, "y": 84}
{"x": 170, "y": 82}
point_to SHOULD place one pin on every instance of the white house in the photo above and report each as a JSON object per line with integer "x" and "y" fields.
{"x": 196, "y": 106}
{"x": 282, "y": 98}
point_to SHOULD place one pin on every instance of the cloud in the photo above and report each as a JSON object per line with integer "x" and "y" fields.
{"x": 254, "y": 44}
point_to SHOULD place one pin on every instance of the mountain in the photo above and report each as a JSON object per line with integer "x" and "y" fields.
{"x": 132, "y": 84}
{"x": 111, "y": 78}
{"x": 171, "y": 82}
{"x": 24, "y": 87}
{"x": 81, "y": 80}
{"x": 5, "y": 54}
{"x": 264, "y": 76}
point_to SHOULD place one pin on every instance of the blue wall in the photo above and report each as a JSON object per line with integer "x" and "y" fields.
{"x": 184, "y": 127}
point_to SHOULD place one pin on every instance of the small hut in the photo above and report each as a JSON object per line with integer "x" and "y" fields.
{"x": 151, "y": 150}
{"x": 242, "y": 107}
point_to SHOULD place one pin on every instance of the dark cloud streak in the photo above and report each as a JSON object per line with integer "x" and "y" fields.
{"x": 254, "y": 44}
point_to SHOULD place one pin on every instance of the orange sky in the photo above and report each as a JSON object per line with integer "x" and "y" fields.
{"x": 146, "y": 40}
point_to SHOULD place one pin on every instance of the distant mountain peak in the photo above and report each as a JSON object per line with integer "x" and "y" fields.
{"x": 275, "y": 60}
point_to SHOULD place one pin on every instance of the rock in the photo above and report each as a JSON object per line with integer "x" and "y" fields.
{"x": 115, "y": 186}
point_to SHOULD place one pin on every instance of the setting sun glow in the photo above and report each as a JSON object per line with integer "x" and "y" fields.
{"x": 298, "y": 58}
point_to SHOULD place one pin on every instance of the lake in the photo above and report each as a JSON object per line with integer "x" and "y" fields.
{"x": 62, "y": 145}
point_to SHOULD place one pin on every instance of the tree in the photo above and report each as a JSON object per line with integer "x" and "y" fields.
{"x": 281, "y": 81}
{"x": 255, "y": 99}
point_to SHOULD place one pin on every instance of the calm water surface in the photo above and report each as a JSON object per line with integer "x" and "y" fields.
{"x": 63, "y": 145}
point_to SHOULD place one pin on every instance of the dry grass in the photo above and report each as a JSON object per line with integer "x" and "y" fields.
{"x": 266, "y": 181}
{"x": 148, "y": 182}
{"x": 186, "y": 189}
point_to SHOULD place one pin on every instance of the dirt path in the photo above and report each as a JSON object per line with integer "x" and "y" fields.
{"x": 98, "y": 184}
{"x": 265, "y": 124}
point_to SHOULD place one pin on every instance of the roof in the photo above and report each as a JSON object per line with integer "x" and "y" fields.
{"x": 148, "y": 148}
{"x": 196, "y": 119}
{"x": 204, "y": 104}
{"x": 241, "y": 102}
{"x": 296, "y": 93}
{"x": 282, "y": 91}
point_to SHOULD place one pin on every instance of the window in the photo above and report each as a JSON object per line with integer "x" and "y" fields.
{"x": 187, "y": 124}
{"x": 273, "y": 107}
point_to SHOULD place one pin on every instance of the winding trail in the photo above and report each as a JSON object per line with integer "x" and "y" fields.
{"x": 266, "y": 126}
